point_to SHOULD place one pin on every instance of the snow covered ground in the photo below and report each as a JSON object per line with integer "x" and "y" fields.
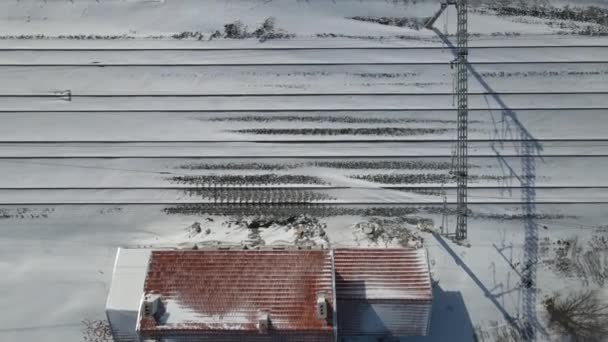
{"x": 118, "y": 131}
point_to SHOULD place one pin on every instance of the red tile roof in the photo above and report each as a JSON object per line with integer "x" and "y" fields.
{"x": 217, "y": 291}
{"x": 392, "y": 274}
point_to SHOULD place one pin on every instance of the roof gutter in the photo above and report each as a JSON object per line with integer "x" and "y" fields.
{"x": 428, "y": 265}
{"x": 112, "y": 330}
{"x": 333, "y": 290}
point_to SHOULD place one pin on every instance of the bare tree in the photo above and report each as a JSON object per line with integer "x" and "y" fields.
{"x": 96, "y": 331}
{"x": 582, "y": 316}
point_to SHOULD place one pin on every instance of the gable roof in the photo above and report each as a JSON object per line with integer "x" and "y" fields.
{"x": 382, "y": 274}
{"x": 225, "y": 290}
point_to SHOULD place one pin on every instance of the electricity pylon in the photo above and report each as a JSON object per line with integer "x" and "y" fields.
{"x": 462, "y": 89}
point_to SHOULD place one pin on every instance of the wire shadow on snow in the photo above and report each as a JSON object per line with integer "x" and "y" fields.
{"x": 510, "y": 319}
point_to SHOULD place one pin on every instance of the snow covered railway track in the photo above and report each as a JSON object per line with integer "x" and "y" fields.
{"x": 227, "y": 187}
{"x": 373, "y": 140}
{"x": 295, "y": 110}
{"x": 309, "y": 173}
{"x": 359, "y": 149}
{"x": 294, "y": 79}
{"x": 288, "y": 102}
{"x": 259, "y": 112}
{"x": 294, "y": 56}
{"x": 273, "y": 65}
{"x": 72, "y": 95}
{"x": 323, "y": 157}
{"x": 287, "y": 203}
{"x": 472, "y": 47}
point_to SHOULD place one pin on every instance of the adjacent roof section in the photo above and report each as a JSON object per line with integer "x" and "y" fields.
{"x": 382, "y": 292}
{"x": 227, "y": 290}
{"x": 379, "y": 274}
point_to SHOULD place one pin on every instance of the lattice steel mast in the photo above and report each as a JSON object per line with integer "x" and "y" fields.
{"x": 462, "y": 89}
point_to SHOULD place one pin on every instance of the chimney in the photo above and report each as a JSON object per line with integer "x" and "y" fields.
{"x": 151, "y": 305}
{"x": 263, "y": 321}
{"x": 321, "y": 307}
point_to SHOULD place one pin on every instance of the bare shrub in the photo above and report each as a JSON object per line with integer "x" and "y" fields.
{"x": 267, "y": 30}
{"x": 267, "y": 26}
{"x": 235, "y": 30}
{"x": 96, "y": 331}
{"x": 497, "y": 332}
{"x": 590, "y": 14}
{"x": 409, "y": 22}
{"x": 582, "y": 316}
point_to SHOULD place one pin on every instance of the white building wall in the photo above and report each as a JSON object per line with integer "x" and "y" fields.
{"x": 365, "y": 318}
{"x": 124, "y": 299}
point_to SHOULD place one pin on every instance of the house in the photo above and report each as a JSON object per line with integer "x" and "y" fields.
{"x": 268, "y": 295}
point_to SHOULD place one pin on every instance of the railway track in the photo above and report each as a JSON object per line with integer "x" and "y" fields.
{"x": 269, "y": 149}
{"x": 294, "y": 94}
{"x": 145, "y": 202}
{"x": 328, "y": 157}
{"x": 307, "y": 141}
{"x": 294, "y": 56}
{"x": 299, "y": 187}
{"x": 295, "y": 110}
{"x": 299, "y": 48}
{"x": 160, "y": 60}
{"x": 274, "y": 65}
{"x": 298, "y": 194}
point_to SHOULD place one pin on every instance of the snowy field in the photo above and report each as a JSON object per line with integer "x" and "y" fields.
{"x": 134, "y": 124}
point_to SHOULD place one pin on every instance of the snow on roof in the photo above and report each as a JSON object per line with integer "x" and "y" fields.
{"x": 130, "y": 268}
{"x": 226, "y": 290}
{"x": 123, "y": 302}
{"x": 392, "y": 274}
{"x": 383, "y": 292}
